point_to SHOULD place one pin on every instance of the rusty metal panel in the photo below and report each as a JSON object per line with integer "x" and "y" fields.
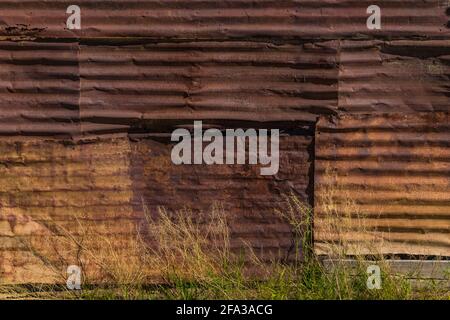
{"x": 388, "y": 176}
{"x": 96, "y": 191}
{"x": 50, "y": 88}
{"x": 218, "y": 19}
{"x": 248, "y": 198}
{"x": 39, "y": 88}
{"x": 46, "y": 184}
{"x": 394, "y": 76}
{"x": 64, "y": 89}
{"x": 246, "y": 81}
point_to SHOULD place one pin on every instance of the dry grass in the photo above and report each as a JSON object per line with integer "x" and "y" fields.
{"x": 188, "y": 246}
{"x": 187, "y": 255}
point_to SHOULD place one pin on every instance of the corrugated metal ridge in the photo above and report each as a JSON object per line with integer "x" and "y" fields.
{"x": 212, "y": 19}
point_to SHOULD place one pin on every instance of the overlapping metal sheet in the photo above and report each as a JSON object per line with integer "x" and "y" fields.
{"x": 107, "y": 97}
{"x": 213, "y": 19}
{"x": 67, "y": 89}
{"x": 394, "y": 76}
{"x": 241, "y": 81}
{"x": 39, "y": 88}
{"x": 391, "y": 175}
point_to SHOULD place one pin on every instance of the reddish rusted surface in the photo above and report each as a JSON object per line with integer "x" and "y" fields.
{"x": 394, "y": 76}
{"x": 39, "y": 88}
{"x": 67, "y": 89}
{"x": 240, "y": 81}
{"x": 248, "y": 198}
{"x": 218, "y": 19}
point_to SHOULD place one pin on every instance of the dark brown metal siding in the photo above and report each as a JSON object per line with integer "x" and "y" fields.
{"x": 66, "y": 89}
{"x": 39, "y": 88}
{"x": 50, "y": 88}
{"x": 394, "y": 76}
{"x": 396, "y": 171}
{"x": 241, "y": 81}
{"x": 248, "y": 199}
{"x": 214, "y": 19}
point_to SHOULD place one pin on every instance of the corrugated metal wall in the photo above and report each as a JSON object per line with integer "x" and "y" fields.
{"x": 103, "y": 100}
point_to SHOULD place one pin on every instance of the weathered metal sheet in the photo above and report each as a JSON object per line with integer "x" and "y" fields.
{"x": 391, "y": 175}
{"x": 246, "y": 81}
{"x": 39, "y": 88}
{"x": 48, "y": 189}
{"x": 248, "y": 198}
{"x": 218, "y": 19}
{"x": 54, "y": 191}
{"x": 394, "y": 76}
{"x": 67, "y": 89}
